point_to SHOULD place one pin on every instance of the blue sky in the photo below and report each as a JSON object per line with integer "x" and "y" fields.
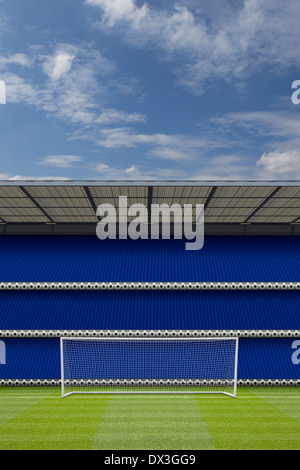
{"x": 122, "y": 89}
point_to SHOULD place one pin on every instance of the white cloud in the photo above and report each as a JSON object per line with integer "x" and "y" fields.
{"x": 74, "y": 93}
{"x": 58, "y": 66}
{"x": 126, "y": 137}
{"x": 225, "y": 167}
{"x": 20, "y": 91}
{"x": 172, "y": 153}
{"x": 77, "y": 89}
{"x": 217, "y": 46}
{"x": 15, "y": 59}
{"x": 20, "y": 59}
{"x": 267, "y": 123}
{"x": 108, "y": 172}
{"x": 281, "y": 163}
{"x": 120, "y": 9}
{"x": 39, "y": 178}
{"x": 112, "y": 116}
{"x": 170, "y": 145}
{"x": 61, "y": 161}
{"x": 102, "y": 167}
{"x": 279, "y": 138}
{"x": 134, "y": 172}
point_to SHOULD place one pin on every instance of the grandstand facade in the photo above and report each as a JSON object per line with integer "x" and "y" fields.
{"x": 58, "y": 279}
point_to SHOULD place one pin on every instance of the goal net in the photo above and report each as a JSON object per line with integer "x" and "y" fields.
{"x": 149, "y": 365}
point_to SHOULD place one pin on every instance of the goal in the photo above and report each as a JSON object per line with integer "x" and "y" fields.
{"x": 149, "y": 365}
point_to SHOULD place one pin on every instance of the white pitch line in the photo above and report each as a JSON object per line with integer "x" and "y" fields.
{"x": 12, "y": 397}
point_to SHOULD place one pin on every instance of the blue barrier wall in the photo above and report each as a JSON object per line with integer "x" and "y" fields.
{"x": 63, "y": 259}
{"x": 86, "y": 258}
{"x": 156, "y": 310}
{"x": 259, "y": 358}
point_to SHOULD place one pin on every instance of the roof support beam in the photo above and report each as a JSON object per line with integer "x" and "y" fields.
{"x": 36, "y": 203}
{"x": 210, "y": 196}
{"x": 91, "y": 200}
{"x": 149, "y": 207}
{"x": 262, "y": 204}
{"x": 149, "y": 203}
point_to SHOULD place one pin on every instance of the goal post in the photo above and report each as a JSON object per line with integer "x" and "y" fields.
{"x": 149, "y": 365}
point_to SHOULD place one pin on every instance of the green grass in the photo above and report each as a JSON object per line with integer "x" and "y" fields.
{"x": 260, "y": 418}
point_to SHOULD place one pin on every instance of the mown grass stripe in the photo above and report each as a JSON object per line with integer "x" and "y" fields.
{"x": 68, "y": 424}
{"x": 249, "y": 423}
{"x": 284, "y": 402}
{"x": 14, "y": 404}
{"x": 257, "y": 419}
{"x": 150, "y": 422}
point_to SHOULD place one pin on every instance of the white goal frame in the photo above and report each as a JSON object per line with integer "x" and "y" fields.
{"x": 69, "y": 382}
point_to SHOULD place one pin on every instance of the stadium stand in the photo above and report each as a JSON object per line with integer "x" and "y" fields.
{"x": 58, "y": 279}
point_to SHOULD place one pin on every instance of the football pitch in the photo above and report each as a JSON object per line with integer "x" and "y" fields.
{"x": 259, "y": 418}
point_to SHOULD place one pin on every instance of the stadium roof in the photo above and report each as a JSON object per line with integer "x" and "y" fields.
{"x": 66, "y": 202}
